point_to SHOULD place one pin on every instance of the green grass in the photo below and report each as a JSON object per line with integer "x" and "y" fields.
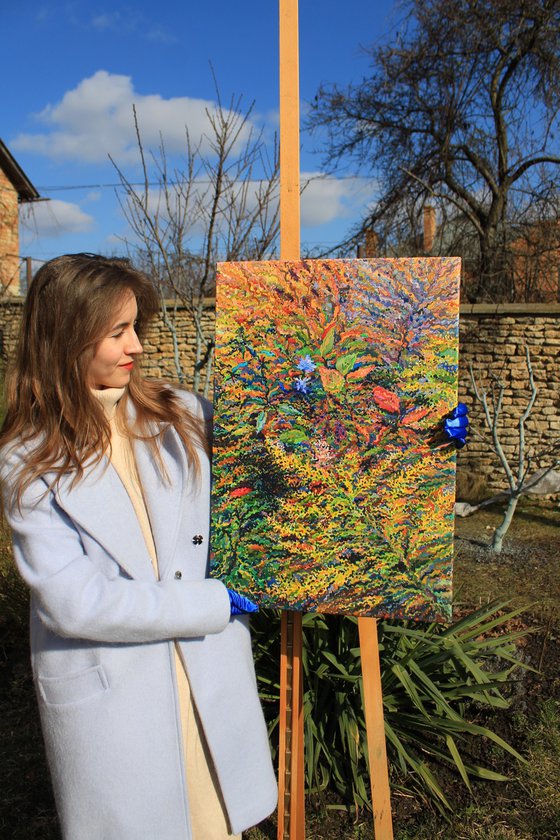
{"x": 541, "y": 777}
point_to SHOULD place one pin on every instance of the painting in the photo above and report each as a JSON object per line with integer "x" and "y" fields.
{"x": 333, "y": 485}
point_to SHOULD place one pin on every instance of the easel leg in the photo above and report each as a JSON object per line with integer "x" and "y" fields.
{"x": 291, "y": 807}
{"x": 291, "y": 781}
{"x": 373, "y": 710}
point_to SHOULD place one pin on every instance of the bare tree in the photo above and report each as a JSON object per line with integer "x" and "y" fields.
{"x": 519, "y": 476}
{"x": 221, "y": 205}
{"x": 462, "y": 110}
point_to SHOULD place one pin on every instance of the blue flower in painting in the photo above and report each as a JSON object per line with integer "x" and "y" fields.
{"x": 301, "y": 383}
{"x": 306, "y": 364}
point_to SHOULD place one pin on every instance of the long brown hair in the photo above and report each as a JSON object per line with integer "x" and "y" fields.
{"x": 50, "y": 406}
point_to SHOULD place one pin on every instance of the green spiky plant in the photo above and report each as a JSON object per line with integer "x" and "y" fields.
{"x": 435, "y": 682}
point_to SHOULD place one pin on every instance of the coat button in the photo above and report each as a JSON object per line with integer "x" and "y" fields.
{"x": 198, "y": 539}
{"x": 178, "y": 575}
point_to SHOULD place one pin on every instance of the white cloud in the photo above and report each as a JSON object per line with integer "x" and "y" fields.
{"x": 42, "y": 14}
{"x": 130, "y": 21}
{"x": 324, "y": 200}
{"x": 95, "y": 119}
{"x": 272, "y": 118}
{"x": 327, "y": 199}
{"x": 160, "y": 35}
{"x": 114, "y": 242}
{"x": 242, "y": 199}
{"x": 106, "y": 20}
{"x": 54, "y": 218}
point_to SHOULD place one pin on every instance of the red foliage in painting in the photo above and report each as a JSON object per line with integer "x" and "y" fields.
{"x": 386, "y": 400}
{"x": 241, "y": 491}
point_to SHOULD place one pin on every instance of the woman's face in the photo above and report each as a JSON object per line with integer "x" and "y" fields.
{"x": 116, "y": 353}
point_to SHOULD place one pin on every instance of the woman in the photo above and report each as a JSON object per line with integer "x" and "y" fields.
{"x": 145, "y": 684}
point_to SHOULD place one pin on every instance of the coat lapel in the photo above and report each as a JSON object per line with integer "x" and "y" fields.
{"x": 164, "y": 496}
{"x": 100, "y": 505}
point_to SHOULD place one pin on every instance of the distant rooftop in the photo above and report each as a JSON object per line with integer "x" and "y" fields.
{"x": 13, "y": 171}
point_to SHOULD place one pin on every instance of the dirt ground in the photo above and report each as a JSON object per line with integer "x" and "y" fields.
{"x": 528, "y": 568}
{"x": 527, "y": 571}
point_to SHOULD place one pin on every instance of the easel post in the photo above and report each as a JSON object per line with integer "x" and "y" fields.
{"x": 291, "y": 806}
{"x": 291, "y": 783}
{"x": 289, "y": 132}
{"x": 373, "y": 711}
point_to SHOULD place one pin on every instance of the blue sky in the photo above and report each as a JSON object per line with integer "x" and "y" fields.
{"x": 72, "y": 71}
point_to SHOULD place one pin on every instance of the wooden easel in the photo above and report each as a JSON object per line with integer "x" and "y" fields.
{"x": 291, "y": 781}
{"x": 291, "y": 775}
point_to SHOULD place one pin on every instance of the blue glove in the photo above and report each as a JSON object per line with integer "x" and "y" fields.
{"x": 239, "y": 604}
{"x": 456, "y": 425}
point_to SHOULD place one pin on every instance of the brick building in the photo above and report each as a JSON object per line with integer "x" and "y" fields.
{"x": 531, "y": 261}
{"x": 536, "y": 263}
{"x": 15, "y": 189}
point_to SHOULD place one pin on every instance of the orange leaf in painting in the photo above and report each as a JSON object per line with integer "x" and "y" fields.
{"x": 361, "y": 331}
{"x": 332, "y": 381}
{"x": 361, "y": 373}
{"x": 363, "y": 431}
{"x": 386, "y": 400}
{"x": 415, "y": 415}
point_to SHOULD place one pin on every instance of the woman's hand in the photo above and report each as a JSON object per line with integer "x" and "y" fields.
{"x": 456, "y": 425}
{"x": 239, "y": 604}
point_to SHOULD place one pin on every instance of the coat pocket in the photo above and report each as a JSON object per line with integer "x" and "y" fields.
{"x": 73, "y": 688}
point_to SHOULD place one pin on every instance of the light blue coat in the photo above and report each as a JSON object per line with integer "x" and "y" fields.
{"x": 102, "y": 645}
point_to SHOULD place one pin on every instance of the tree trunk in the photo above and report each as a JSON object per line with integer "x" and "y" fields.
{"x": 502, "y": 528}
{"x": 495, "y": 281}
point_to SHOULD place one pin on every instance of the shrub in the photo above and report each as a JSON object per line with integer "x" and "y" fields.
{"x": 435, "y": 681}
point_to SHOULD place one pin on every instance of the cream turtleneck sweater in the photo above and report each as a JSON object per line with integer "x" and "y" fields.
{"x": 206, "y": 809}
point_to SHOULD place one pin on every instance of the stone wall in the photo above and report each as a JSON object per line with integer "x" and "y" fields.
{"x": 10, "y": 314}
{"x": 492, "y": 339}
{"x": 9, "y": 237}
{"x": 158, "y": 359}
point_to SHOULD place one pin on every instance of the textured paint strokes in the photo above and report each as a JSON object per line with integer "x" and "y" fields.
{"x": 333, "y": 488}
